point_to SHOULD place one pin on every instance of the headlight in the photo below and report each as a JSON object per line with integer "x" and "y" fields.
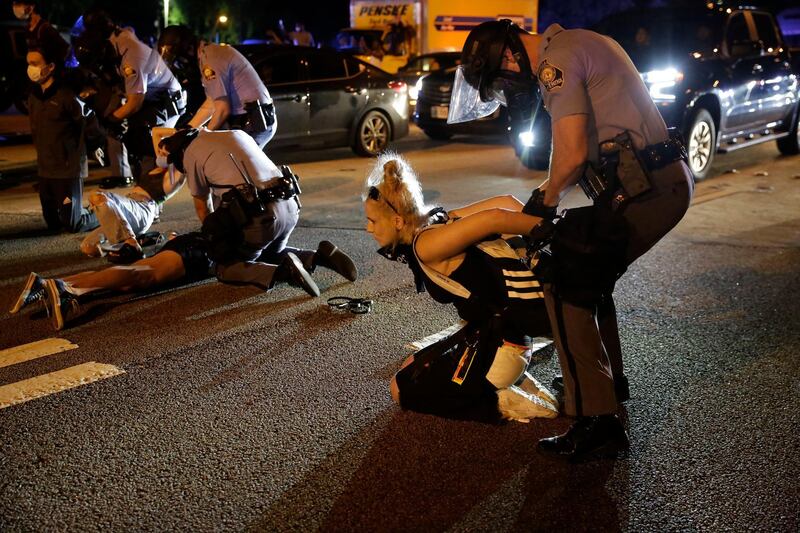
{"x": 526, "y": 139}
{"x": 413, "y": 92}
{"x": 661, "y": 83}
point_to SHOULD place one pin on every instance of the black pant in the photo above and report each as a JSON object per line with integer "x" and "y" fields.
{"x": 62, "y": 205}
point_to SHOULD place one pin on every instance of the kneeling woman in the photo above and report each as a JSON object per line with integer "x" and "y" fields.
{"x": 460, "y": 258}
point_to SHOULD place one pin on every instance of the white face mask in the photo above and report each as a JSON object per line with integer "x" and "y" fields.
{"x": 21, "y": 12}
{"x": 37, "y": 74}
{"x": 161, "y": 161}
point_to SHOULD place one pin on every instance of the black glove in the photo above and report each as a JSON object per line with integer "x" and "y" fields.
{"x": 115, "y": 127}
{"x": 539, "y": 236}
{"x": 535, "y": 206}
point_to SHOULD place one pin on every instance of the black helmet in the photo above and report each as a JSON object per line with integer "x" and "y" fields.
{"x": 176, "y": 145}
{"x": 177, "y": 42}
{"x": 99, "y": 56}
{"x": 483, "y": 53}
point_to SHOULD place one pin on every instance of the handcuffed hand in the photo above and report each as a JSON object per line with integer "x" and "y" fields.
{"x": 535, "y": 206}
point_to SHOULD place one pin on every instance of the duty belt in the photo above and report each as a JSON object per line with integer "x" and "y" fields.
{"x": 617, "y": 160}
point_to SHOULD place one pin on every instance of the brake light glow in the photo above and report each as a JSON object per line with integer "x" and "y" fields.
{"x": 398, "y": 86}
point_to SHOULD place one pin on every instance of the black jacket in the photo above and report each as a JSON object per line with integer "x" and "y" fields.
{"x": 57, "y": 125}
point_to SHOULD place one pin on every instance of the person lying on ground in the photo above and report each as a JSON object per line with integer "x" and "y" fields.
{"x": 183, "y": 259}
{"x": 123, "y": 218}
{"x": 460, "y": 258}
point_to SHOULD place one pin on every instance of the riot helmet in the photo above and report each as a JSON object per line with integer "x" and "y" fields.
{"x": 175, "y": 145}
{"x": 481, "y": 85}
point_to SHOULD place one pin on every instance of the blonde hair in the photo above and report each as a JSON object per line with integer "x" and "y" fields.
{"x": 400, "y": 191}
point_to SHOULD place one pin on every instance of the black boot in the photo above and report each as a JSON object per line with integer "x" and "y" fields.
{"x": 621, "y": 387}
{"x": 590, "y": 437}
{"x": 329, "y": 256}
{"x": 291, "y": 271}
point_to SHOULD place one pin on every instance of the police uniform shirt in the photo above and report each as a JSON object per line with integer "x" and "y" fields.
{"x": 207, "y": 161}
{"x": 583, "y": 72}
{"x": 226, "y": 73}
{"x": 141, "y": 67}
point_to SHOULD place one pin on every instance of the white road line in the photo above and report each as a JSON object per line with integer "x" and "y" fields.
{"x": 34, "y": 350}
{"x": 60, "y": 380}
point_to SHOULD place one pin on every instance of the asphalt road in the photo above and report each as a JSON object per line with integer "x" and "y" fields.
{"x": 240, "y": 410}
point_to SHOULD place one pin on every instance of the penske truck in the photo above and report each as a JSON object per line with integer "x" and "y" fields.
{"x": 389, "y": 32}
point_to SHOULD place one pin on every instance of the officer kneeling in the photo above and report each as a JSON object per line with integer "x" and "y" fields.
{"x": 609, "y": 137}
{"x": 248, "y": 207}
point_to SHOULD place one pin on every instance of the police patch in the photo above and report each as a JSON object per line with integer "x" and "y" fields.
{"x": 208, "y": 73}
{"x": 128, "y": 70}
{"x": 550, "y": 76}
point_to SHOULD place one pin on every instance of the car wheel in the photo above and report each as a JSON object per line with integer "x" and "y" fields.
{"x": 790, "y": 145}
{"x": 437, "y": 134}
{"x": 701, "y": 143}
{"x": 373, "y": 134}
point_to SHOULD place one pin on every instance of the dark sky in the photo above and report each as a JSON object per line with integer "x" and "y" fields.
{"x": 322, "y": 18}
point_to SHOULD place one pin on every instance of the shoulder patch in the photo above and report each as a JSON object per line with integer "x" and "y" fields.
{"x": 208, "y": 73}
{"x": 550, "y": 76}
{"x": 128, "y": 70}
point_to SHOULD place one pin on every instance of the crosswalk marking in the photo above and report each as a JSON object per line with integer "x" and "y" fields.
{"x": 34, "y": 350}
{"x": 60, "y": 380}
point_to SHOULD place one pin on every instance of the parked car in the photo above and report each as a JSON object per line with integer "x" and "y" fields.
{"x": 721, "y": 75}
{"x": 530, "y": 138}
{"x": 329, "y": 98}
{"x": 418, "y": 66}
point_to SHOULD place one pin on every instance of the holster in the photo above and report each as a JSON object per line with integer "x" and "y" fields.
{"x": 257, "y": 117}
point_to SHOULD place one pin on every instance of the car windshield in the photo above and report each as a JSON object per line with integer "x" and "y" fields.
{"x": 431, "y": 63}
{"x": 663, "y": 32}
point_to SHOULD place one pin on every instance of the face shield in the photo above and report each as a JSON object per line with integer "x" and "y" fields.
{"x": 466, "y": 103}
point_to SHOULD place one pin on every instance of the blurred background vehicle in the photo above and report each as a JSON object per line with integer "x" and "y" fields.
{"x": 418, "y": 66}
{"x": 13, "y": 67}
{"x": 328, "y": 98}
{"x": 722, "y": 75}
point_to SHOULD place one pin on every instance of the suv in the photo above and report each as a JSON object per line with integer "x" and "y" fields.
{"x": 721, "y": 75}
{"x": 329, "y": 98}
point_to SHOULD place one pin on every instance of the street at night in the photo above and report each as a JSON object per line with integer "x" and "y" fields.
{"x": 236, "y": 409}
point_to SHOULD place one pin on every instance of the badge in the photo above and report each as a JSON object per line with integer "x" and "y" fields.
{"x": 208, "y": 73}
{"x": 128, "y": 70}
{"x": 550, "y": 76}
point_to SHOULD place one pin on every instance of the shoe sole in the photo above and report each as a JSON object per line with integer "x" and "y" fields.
{"x": 20, "y": 303}
{"x": 306, "y": 282}
{"x": 329, "y": 251}
{"x": 55, "y": 308}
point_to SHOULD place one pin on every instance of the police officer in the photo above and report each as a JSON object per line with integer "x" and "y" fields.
{"x": 609, "y": 137}
{"x": 153, "y": 97}
{"x": 235, "y": 95}
{"x": 249, "y": 209}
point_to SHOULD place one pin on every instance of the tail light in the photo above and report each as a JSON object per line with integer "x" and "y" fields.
{"x": 398, "y": 86}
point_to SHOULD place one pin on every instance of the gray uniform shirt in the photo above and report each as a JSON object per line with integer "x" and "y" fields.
{"x": 228, "y": 74}
{"x": 583, "y": 72}
{"x": 141, "y": 67}
{"x": 207, "y": 160}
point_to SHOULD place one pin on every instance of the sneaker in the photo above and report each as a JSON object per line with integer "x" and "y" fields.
{"x": 329, "y": 256}
{"x": 516, "y": 404}
{"x": 31, "y": 293}
{"x": 62, "y": 305}
{"x": 291, "y": 270}
{"x": 531, "y": 385}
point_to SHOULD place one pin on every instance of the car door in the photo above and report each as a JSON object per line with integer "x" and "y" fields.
{"x": 283, "y": 72}
{"x": 745, "y": 71}
{"x": 779, "y": 91}
{"x": 337, "y": 95}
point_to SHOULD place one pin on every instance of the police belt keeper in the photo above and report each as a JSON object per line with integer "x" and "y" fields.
{"x": 625, "y": 171}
